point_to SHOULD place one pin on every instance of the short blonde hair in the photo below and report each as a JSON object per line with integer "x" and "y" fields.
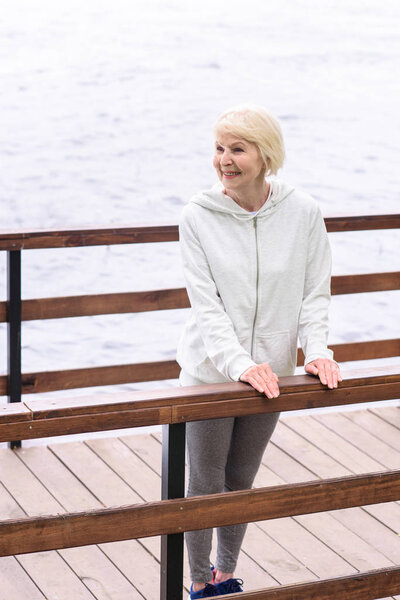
{"x": 255, "y": 124}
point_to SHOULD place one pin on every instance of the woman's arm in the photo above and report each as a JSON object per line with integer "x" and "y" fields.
{"x": 215, "y": 326}
{"x": 313, "y": 319}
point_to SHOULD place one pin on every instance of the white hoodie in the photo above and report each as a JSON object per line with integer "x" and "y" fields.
{"x": 255, "y": 283}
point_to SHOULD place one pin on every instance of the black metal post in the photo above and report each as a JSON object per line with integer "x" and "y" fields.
{"x": 172, "y": 486}
{"x": 14, "y": 329}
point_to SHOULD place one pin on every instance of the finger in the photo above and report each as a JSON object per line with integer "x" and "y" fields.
{"x": 322, "y": 374}
{"x": 271, "y": 382}
{"x": 335, "y": 374}
{"x": 264, "y": 386}
{"x": 256, "y": 383}
{"x": 328, "y": 374}
{"x": 312, "y": 369}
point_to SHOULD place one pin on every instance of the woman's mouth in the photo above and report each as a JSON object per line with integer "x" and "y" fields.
{"x": 230, "y": 174}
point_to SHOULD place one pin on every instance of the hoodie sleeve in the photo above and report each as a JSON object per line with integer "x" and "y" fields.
{"x": 313, "y": 320}
{"x": 215, "y": 326}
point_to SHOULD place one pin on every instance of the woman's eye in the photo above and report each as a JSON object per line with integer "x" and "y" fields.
{"x": 238, "y": 150}
{"x": 219, "y": 149}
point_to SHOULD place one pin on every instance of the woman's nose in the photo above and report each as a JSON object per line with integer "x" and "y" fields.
{"x": 226, "y": 158}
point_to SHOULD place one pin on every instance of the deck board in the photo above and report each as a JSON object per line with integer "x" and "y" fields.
{"x": 73, "y": 476}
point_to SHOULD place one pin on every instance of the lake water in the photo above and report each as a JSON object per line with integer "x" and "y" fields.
{"x": 106, "y": 114}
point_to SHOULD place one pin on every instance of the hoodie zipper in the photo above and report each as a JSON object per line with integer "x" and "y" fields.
{"x": 255, "y": 313}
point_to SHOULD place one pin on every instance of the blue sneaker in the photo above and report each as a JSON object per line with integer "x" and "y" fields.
{"x": 207, "y": 592}
{"x": 230, "y": 586}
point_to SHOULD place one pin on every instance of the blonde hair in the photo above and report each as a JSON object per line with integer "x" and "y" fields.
{"x": 255, "y": 124}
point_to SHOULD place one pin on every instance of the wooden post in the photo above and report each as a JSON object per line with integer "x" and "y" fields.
{"x": 14, "y": 330}
{"x": 172, "y": 486}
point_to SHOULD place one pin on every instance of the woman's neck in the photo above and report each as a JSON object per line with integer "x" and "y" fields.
{"x": 250, "y": 199}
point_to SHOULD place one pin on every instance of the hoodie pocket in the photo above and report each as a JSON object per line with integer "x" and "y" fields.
{"x": 275, "y": 349}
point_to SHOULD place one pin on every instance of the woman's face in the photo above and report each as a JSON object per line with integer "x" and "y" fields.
{"x": 238, "y": 163}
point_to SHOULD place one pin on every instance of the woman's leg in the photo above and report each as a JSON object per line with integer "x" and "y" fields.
{"x": 208, "y": 444}
{"x": 250, "y": 437}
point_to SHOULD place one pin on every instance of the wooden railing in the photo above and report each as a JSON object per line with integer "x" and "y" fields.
{"x": 15, "y": 310}
{"x": 173, "y": 407}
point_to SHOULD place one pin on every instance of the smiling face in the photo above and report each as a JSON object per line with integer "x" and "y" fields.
{"x": 238, "y": 163}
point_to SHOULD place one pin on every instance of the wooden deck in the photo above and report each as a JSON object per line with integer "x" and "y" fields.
{"x": 113, "y": 471}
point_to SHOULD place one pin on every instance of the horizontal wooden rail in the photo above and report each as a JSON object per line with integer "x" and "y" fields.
{"x": 36, "y": 418}
{"x": 165, "y": 299}
{"x": 100, "y": 304}
{"x": 366, "y": 282}
{"x": 51, "y": 381}
{"x": 370, "y": 585}
{"x": 98, "y": 236}
{"x": 34, "y": 534}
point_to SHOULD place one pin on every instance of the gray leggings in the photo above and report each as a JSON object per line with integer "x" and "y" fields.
{"x": 223, "y": 455}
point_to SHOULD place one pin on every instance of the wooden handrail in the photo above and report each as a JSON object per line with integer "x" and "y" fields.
{"x": 139, "y": 234}
{"x": 360, "y": 586}
{"x": 35, "y": 418}
{"x": 50, "y": 381}
{"x": 173, "y": 298}
{"x": 33, "y": 534}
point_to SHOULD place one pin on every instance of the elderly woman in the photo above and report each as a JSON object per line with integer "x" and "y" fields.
{"x": 257, "y": 267}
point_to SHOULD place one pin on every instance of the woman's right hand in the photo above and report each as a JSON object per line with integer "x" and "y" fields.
{"x": 263, "y": 379}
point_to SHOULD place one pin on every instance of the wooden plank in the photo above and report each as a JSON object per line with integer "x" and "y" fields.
{"x": 49, "y": 572}
{"x": 189, "y": 404}
{"x": 58, "y": 479}
{"x": 99, "y": 574}
{"x": 318, "y": 398}
{"x": 361, "y": 586}
{"x": 108, "y": 421}
{"x": 89, "y": 236}
{"x": 285, "y": 466}
{"x": 100, "y": 304}
{"x": 128, "y": 466}
{"x": 344, "y": 542}
{"x": 377, "y": 427}
{"x": 362, "y": 222}
{"x": 147, "y": 448}
{"x": 186, "y": 514}
{"x": 391, "y": 414}
{"x": 366, "y": 282}
{"x": 137, "y": 565}
{"x": 362, "y": 439}
{"x": 332, "y": 444}
{"x": 54, "y": 577}
{"x": 277, "y": 562}
{"x": 14, "y": 413}
{"x": 312, "y": 458}
{"x": 21, "y": 483}
{"x": 49, "y": 381}
{"x": 170, "y": 298}
{"x": 315, "y": 554}
{"x": 15, "y": 583}
{"x": 89, "y": 563}
{"x": 92, "y": 236}
{"x": 360, "y": 350}
{"x": 103, "y": 483}
{"x": 371, "y": 531}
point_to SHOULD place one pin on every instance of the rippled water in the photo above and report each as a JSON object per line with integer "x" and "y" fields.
{"x": 106, "y": 113}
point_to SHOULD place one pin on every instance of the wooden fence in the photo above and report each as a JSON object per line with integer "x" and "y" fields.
{"x": 172, "y": 408}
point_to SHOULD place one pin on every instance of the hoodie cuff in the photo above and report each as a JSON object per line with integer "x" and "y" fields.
{"x": 239, "y": 366}
{"x": 326, "y": 353}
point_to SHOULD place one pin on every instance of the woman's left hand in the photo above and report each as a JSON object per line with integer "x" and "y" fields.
{"x": 327, "y": 370}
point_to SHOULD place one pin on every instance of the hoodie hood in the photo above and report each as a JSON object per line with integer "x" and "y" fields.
{"x": 214, "y": 199}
